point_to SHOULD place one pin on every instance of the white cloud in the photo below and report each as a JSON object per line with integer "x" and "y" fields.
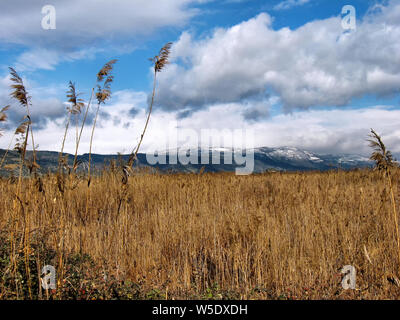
{"x": 82, "y": 22}
{"x": 45, "y": 107}
{"x": 288, "y": 4}
{"x": 48, "y": 59}
{"x": 222, "y": 81}
{"x": 37, "y": 59}
{"x": 322, "y": 131}
{"x": 84, "y": 28}
{"x": 315, "y": 65}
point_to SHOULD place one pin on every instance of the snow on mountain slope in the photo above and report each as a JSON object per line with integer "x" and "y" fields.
{"x": 284, "y": 158}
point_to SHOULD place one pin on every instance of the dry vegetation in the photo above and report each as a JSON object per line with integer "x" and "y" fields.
{"x": 128, "y": 234}
{"x": 203, "y": 236}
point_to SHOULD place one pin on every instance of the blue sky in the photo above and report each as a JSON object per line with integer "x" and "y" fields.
{"x": 285, "y": 69}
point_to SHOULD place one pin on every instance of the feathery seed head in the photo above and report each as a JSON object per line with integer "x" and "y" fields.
{"x": 21, "y": 129}
{"x": 19, "y": 92}
{"x": 106, "y": 70}
{"x": 3, "y": 115}
{"x": 161, "y": 60}
{"x": 104, "y": 92}
{"x": 22, "y": 133}
{"x": 383, "y": 158}
{"x": 76, "y": 103}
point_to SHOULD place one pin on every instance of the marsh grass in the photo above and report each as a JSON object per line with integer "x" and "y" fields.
{"x": 263, "y": 236}
{"x": 201, "y": 236}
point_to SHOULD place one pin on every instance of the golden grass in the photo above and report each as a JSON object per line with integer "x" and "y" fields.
{"x": 273, "y": 235}
{"x": 276, "y": 235}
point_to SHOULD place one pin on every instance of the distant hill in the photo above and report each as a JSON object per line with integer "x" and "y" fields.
{"x": 279, "y": 159}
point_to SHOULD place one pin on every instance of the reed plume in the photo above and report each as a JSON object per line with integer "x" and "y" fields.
{"x": 76, "y": 105}
{"x": 21, "y": 95}
{"x": 3, "y": 116}
{"x": 382, "y": 157}
{"x": 102, "y": 95}
{"x": 22, "y": 136}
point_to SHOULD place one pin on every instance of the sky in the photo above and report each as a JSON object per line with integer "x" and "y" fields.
{"x": 289, "y": 71}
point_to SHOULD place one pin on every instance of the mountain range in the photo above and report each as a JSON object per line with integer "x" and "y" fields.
{"x": 265, "y": 158}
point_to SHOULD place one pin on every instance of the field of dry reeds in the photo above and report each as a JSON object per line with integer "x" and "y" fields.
{"x": 129, "y": 234}
{"x": 213, "y": 236}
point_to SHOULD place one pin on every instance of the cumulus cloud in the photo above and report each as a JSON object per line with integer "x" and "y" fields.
{"x": 258, "y": 110}
{"x": 46, "y": 107}
{"x": 322, "y": 131}
{"x": 84, "y": 28}
{"x": 335, "y": 131}
{"x": 121, "y": 122}
{"x": 228, "y": 80}
{"x": 82, "y": 22}
{"x": 133, "y": 112}
{"x": 315, "y": 65}
{"x": 48, "y": 59}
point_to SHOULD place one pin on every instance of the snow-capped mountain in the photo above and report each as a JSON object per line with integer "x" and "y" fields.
{"x": 291, "y": 158}
{"x": 219, "y": 159}
{"x": 265, "y": 158}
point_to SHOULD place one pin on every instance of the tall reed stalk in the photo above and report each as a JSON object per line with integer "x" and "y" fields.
{"x": 78, "y": 136}
{"x": 21, "y": 95}
{"x": 384, "y": 162}
{"x": 159, "y": 62}
{"x": 76, "y": 105}
{"x": 104, "y": 80}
